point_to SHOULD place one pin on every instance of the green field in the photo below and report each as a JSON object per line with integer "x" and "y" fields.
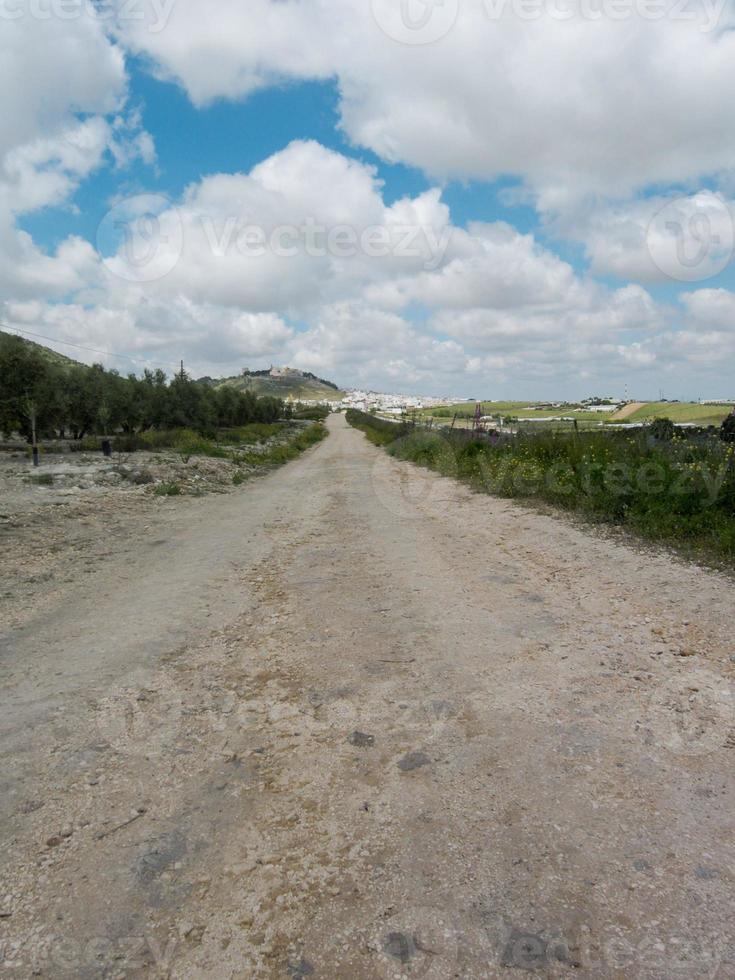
{"x": 517, "y": 410}
{"x": 468, "y": 409}
{"x": 682, "y": 412}
{"x": 676, "y": 411}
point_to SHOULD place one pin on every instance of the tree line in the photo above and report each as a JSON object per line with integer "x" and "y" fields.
{"x": 63, "y": 399}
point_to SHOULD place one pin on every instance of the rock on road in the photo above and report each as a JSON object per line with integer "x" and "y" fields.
{"x": 353, "y": 721}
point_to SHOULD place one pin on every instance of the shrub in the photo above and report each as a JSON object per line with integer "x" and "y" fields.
{"x": 41, "y": 479}
{"x": 89, "y": 445}
{"x": 727, "y": 429}
{"x": 663, "y": 429}
{"x": 379, "y": 431}
{"x": 314, "y": 413}
{"x": 190, "y": 443}
{"x": 250, "y": 434}
{"x": 168, "y": 490}
{"x": 282, "y": 452}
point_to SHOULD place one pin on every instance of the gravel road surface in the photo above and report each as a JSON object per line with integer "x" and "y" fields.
{"x": 353, "y": 721}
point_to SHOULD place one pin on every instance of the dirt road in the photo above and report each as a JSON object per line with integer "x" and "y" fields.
{"x": 354, "y": 722}
{"x": 626, "y": 411}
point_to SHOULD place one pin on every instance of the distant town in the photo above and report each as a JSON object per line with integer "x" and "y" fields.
{"x": 604, "y": 407}
{"x": 390, "y": 404}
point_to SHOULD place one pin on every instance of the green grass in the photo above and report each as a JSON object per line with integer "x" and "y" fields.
{"x": 41, "y": 479}
{"x": 568, "y": 413}
{"x": 187, "y": 441}
{"x": 680, "y": 492}
{"x": 468, "y": 409}
{"x": 250, "y": 434}
{"x": 379, "y": 431}
{"x": 583, "y": 425}
{"x": 314, "y": 413}
{"x": 515, "y": 410}
{"x": 190, "y": 443}
{"x": 286, "y": 450}
{"x": 280, "y": 443}
{"x": 275, "y": 453}
{"x": 681, "y": 412}
{"x": 168, "y": 490}
{"x": 676, "y": 411}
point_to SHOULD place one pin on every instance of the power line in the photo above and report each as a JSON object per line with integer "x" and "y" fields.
{"x": 68, "y": 343}
{"x": 89, "y": 350}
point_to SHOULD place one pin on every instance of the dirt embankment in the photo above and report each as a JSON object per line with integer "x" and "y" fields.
{"x": 626, "y": 411}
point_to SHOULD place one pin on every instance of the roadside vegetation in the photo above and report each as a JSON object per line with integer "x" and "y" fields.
{"x": 214, "y": 443}
{"x": 282, "y": 451}
{"x": 314, "y": 413}
{"x": 57, "y": 405}
{"x": 664, "y": 484}
{"x": 379, "y": 431}
{"x": 59, "y": 399}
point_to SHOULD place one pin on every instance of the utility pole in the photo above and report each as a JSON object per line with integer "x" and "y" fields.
{"x": 32, "y": 413}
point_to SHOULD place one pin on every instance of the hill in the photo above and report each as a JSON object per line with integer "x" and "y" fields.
{"x": 298, "y": 387}
{"x": 52, "y": 356}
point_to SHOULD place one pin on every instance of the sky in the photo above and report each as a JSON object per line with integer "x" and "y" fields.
{"x": 480, "y": 198}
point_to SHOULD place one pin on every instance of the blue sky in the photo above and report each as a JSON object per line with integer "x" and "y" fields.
{"x": 231, "y": 137}
{"x": 569, "y": 237}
